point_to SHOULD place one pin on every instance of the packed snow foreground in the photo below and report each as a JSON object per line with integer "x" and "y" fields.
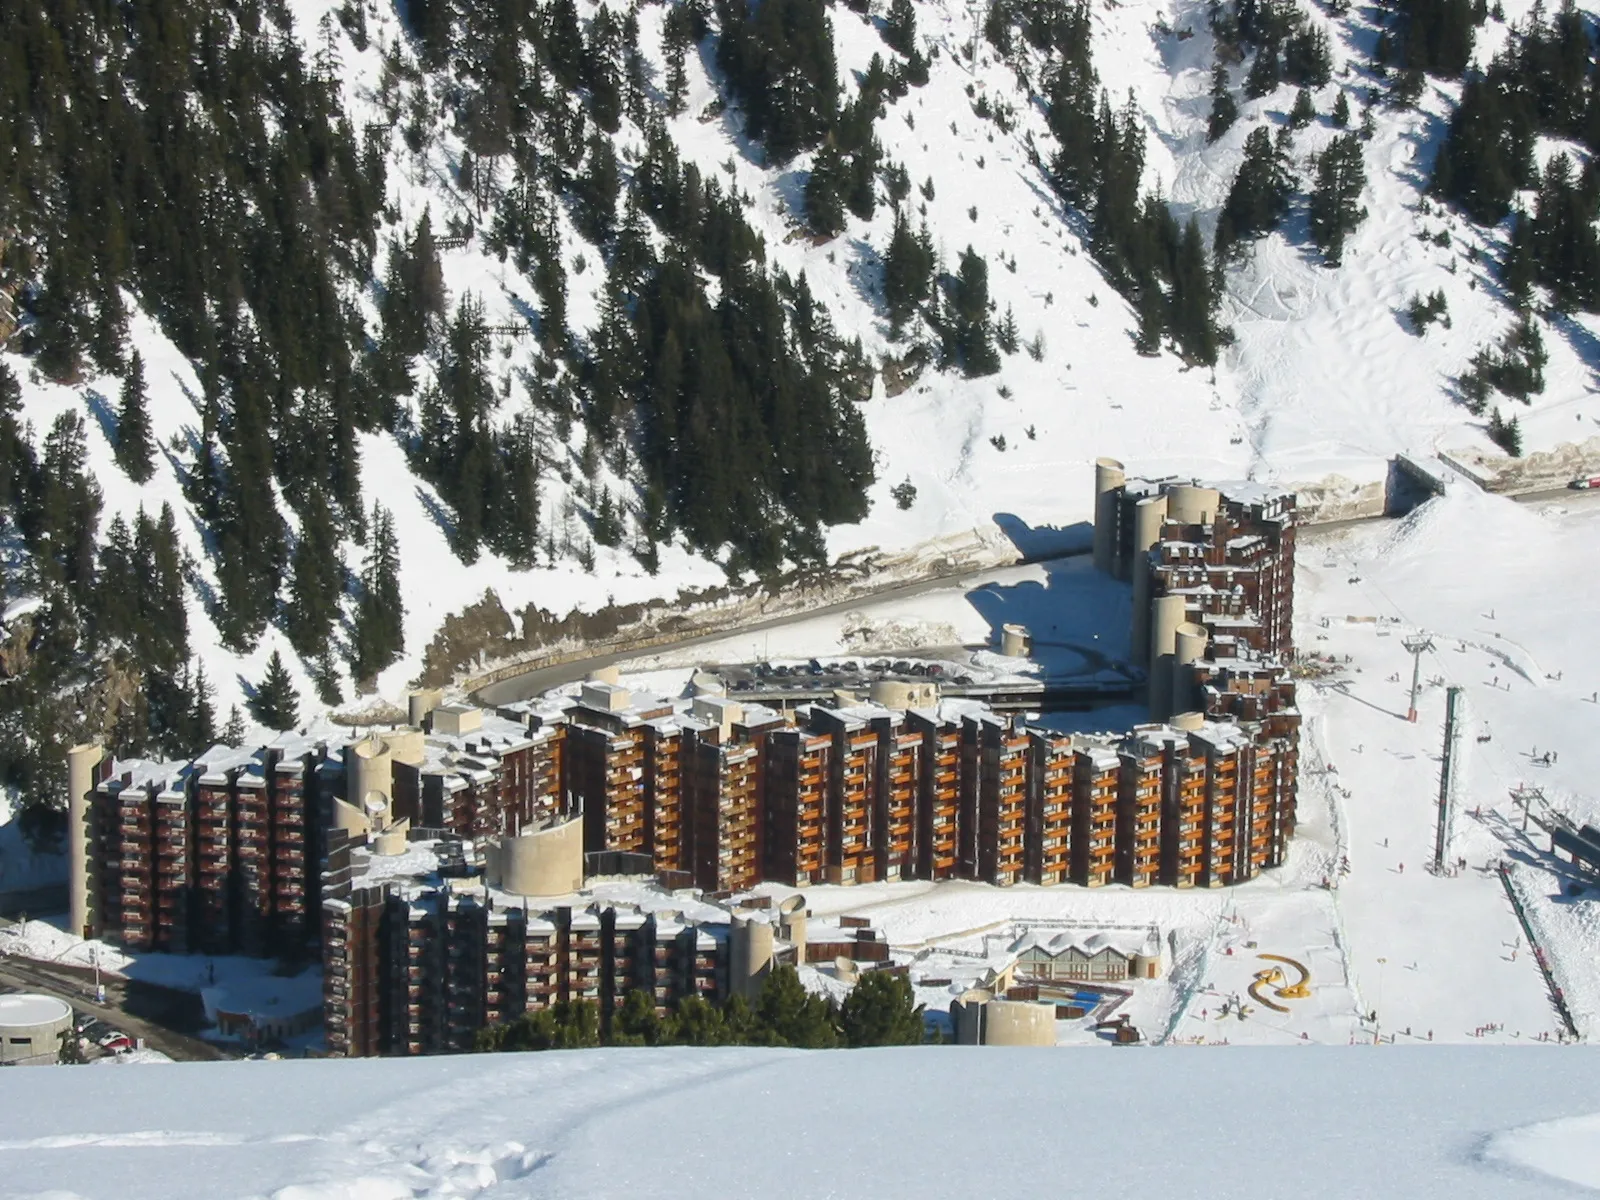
{"x": 932, "y": 1123}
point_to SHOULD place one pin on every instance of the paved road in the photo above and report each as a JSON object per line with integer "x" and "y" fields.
{"x": 32, "y": 976}
{"x": 1560, "y": 493}
{"x": 541, "y": 680}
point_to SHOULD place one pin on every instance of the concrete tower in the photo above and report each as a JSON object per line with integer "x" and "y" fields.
{"x": 1109, "y": 475}
{"x": 1166, "y": 617}
{"x": 83, "y": 909}
{"x": 1148, "y": 515}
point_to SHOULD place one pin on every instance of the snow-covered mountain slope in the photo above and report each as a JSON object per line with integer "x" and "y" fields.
{"x": 1325, "y": 376}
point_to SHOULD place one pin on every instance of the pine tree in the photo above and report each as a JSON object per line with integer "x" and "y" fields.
{"x": 135, "y": 449}
{"x": 971, "y": 312}
{"x": 788, "y": 1015}
{"x": 907, "y": 268}
{"x": 515, "y": 531}
{"x": 316, "y": 579}
{"x": 900, "y": 27}
{"x": 1194, "y": 299}
{"x": 825, "y": 188}
{"x": 1264, "y": 74}
{"x": 1336, "y": 207}
{"x": 379, "y": 626}
{"x": 1224, "y": 112}
{"x": 1307, "y": 58}
{"x": 597, "y": 192}
{"x": 1152, "y": 310}
{"x": 881, "y": 1010}
{"x": 234, "y": 734}
{"x": 675, "y": 41}
{"x": 203, "y": 713}
{"x": 1005, "y": 335}
{"x": 1259, "y": 197}
{"x": 1303, "y": 111}
{"x": 276, "y": 703}
{"x": 1341, "y": 111}
{"x": 61, "y": 517}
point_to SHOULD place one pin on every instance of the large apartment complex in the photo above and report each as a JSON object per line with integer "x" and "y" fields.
{"x": 435, "y": 867}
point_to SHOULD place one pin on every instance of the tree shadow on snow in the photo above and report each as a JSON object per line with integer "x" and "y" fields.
{"x": 1580, "y": 338}
{"x": 1425, "y": 141}
{"x": 100, "y": 409}
{"x": 440, "y": 514}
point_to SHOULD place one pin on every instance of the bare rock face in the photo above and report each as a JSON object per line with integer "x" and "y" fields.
{"x": 15, "y": 652}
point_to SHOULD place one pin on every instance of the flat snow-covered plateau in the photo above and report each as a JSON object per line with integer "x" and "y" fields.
{"x": 933, "y": 1123}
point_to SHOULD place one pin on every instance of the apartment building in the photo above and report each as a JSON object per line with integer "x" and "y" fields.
{"x": 1048, "y": 840}
{"x": 995, "y": 765}
{"x": 223, "y": 854}
{"x": 1096, "y": 787}
{"x": 218, "y": 856}
{"x": 419, "y": 959}
{"x": 605, "y": 764}
{"x": 798, "y": 776}
{"x": 666, "y": 830}
{"x": 938, "y": 795}
{"x": 848, "y": 816}
{"x": 1212, "y": 570}
{"x": 895, "y": 828}
{"x": 477, "y": 773}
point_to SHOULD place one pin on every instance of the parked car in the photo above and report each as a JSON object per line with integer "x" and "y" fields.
{"x": 118, "y": 1045}
{"x": 105, "y": 1040}
{"x": 1588, "y": 481}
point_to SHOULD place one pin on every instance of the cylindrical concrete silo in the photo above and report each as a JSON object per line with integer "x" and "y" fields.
{"x": 1019, "y": 1023}
{"x": 749, "y": 954}
{"x": 420, "y": 703}
{"x": 792, "y": 925}
{"x": 1109, "y": 476}
{"x": 369, "y": 774}
{"x": 1189, "y": 647}
{"x": 83, "y": 914}
{"x": 543, "y": 862}
{"x": 1193, "y": 505}
{"x": 31, "y": 1028}
{"x": 1147, "y": 517}
{"x": 1014, "y": 641}
{"x": 890, "y": 693}
{"x": 1166, "y": 614}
